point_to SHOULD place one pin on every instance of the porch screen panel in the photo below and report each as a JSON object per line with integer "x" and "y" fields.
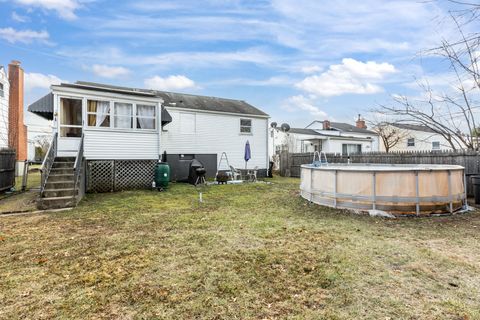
{"x": 145, "y": 116}
{"x": 123, "y": 115}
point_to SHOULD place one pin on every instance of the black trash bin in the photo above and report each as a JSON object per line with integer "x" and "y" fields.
{"x": 476, "y": 188}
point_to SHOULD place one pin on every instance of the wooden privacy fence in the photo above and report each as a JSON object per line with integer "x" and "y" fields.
{"x": 7, "y": 169}
{"x": 290, "y": 162}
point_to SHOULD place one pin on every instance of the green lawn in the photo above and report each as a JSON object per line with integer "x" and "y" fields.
{"x": 254, "y": 251}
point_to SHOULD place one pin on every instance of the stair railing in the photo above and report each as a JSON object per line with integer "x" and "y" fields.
{"x": 77, "y": 173}
{"x": 48, "y": 162}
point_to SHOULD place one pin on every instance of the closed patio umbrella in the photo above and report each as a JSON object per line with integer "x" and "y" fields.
{"x": 248, "y": 154}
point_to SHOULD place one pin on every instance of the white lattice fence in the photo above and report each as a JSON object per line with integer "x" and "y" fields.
{"x": 116, "y": 175}
{"x": 100, "y": 176}
{"x": 134, "y": 174}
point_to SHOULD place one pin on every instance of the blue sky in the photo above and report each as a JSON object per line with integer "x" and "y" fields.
{"x": 298, "y": 60}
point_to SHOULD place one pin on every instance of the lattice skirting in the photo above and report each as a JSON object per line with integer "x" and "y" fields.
{"x": 115, "y": 175}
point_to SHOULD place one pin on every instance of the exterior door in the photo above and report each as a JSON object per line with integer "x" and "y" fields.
{"x": 70, "y": 125}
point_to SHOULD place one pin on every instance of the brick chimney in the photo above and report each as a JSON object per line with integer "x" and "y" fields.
{"x": 326, "y": 125}
{"x": 17, "y": 131}
{"x": 361, "y": 122}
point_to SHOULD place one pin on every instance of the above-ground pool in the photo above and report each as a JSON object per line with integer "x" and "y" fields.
{"x": 397, "y": 189}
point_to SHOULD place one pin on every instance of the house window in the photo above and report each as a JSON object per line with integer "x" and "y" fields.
{"x": 123, "y": 115}
{"x": 146, "y": 117}
{"x": 187, "y": 123}
{"x": 351, "y": 148}
{"x": 245, "y": 126}
{"x": 411, "y": 142}
{"x": 435, "y": 145}
{"x": 1, "y": 90}
{"x": 98, "y": 113}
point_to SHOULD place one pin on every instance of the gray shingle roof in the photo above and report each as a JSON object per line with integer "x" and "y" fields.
{"x": 414, "y": 127}
{"x": 345, "y": 127}
{"x": 304, "y": 131}
{"x": 180, "y": 100}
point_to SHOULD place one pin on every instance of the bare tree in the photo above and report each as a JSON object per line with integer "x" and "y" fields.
{"x": 389, "y": 134}
{"x": 453, "y": 113}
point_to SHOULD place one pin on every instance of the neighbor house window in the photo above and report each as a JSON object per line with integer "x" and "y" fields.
{"x": 1, "y": 90}
{"x": 123, "y": 115}
{"x": 436, "y": 145}
{"x": 245, "y": 126}
{"x": 351, "y": 148}
{"x": 411, "y": 142}
{"x": 98, "y": 113}
{"x": 146, "y": 117}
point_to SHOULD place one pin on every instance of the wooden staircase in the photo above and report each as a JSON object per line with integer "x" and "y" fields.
{"x": 60, "y": 191}
{"x": 63, "y": 179}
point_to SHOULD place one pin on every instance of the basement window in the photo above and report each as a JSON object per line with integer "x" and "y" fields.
{"x": 411, "y": 142}
{"x": 245, "y": 126}
{"x": 435, "y": 145}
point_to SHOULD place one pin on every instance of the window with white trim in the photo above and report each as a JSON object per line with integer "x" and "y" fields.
{"x": 435, "y": 145}
{"x": 146, "y": 117}
{"x": 1, "y": 90}
{"x": 98, "y": 113}
{"x": 411, "y": 142}
{"x": 245, "y": 126}
{"x": 123, "y": 115}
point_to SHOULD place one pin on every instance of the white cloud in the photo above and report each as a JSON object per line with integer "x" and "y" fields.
{"x": 39, "y": 80}
{"x": 351, "y": 76}
{"x": 109, "y": 71}
{"x": 174, "y": 82}
{"x": 64, "y": 8}
{"x": 302, "y": 103}
{"x": 310, "y": 69}
{"x": 19, "y": 18}
{"x": 23, "y": 36}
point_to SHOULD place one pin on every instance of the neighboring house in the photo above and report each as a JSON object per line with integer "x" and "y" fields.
{"x": 4, "y": 92}
{"x": 135, "y": 127}
{"x": 417, "y": 138}
{"x": 329, "y": 137}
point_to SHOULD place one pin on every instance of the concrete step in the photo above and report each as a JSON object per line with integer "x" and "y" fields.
{"x": 60, "y": 177}
{"x": 61, "y": 171}
{"x": 55, "y": 185}
{"x": 53, "y": 193}
{"x": 62, "y": 164}
{"x": 56, "y": 203}
{"x": 65, "y": 159}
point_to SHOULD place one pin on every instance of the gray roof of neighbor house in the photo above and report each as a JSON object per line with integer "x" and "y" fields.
{"x": 413, "y": 127}
{"x": 171, "y": 99}
{"x": 305, "y": 131}
{"x": 345, "y": 127}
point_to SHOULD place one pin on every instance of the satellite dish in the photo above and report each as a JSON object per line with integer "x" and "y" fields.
{"x": 285, "y": 127}
{"x": 273, "y": 124}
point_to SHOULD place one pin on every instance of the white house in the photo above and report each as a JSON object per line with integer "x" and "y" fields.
{"x": 326, "y": 136}
{"x": 134, "y": 128}
{"x": 414, "y": 137}
{"x": 4, "y": 92}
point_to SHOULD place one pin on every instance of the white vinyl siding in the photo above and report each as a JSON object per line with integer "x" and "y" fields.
{"x": 4, "y": 109}
{"x": 217, "y": 133}
{"x": 187, "y": 123}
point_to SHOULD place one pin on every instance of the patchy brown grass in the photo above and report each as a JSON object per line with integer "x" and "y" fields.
{"x": 253, "y": 251}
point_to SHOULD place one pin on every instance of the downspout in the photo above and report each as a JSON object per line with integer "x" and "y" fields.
{"x": 159, "y": 126}
{"x": 268, "y": 150}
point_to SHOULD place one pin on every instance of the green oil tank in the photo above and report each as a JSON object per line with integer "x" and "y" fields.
{"x": 162, "y": 175}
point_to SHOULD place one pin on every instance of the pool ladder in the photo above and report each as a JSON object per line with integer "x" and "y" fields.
{"x": 320, "y": 162}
